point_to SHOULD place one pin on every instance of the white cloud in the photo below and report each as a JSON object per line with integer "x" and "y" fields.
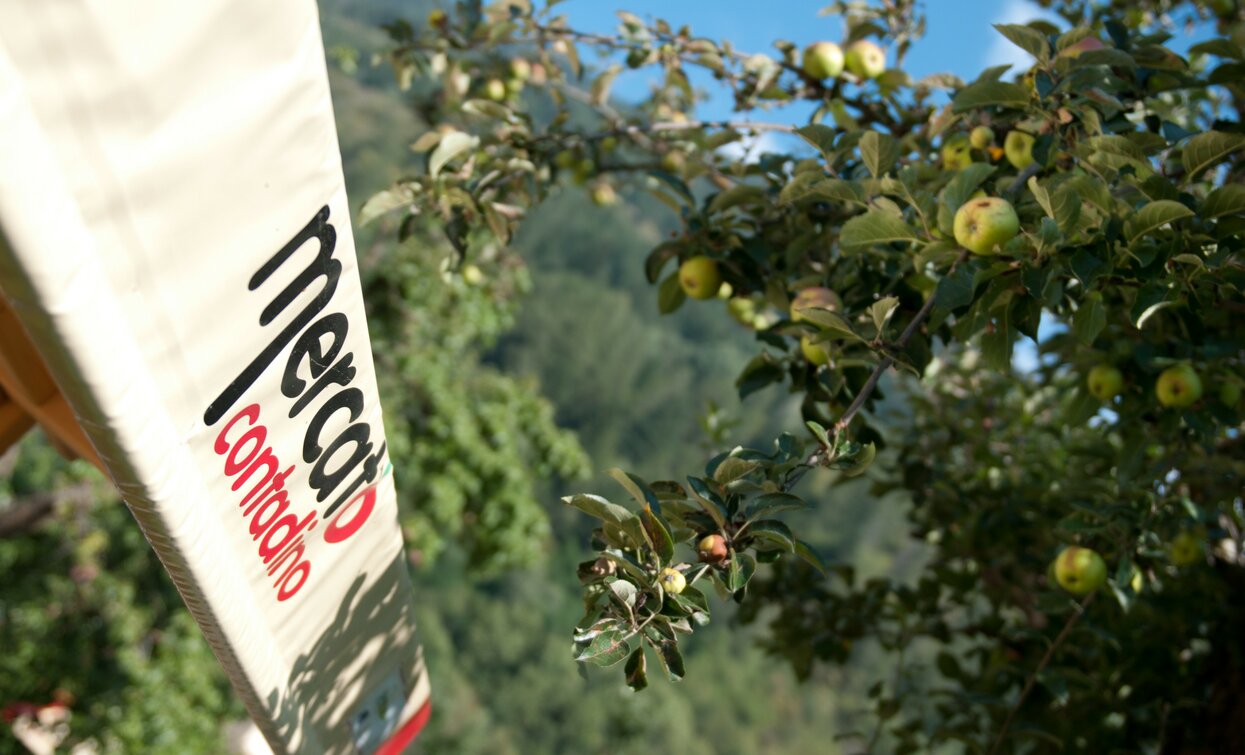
{"x": 750, "y": 148}
{"x": 1000, "y": 50}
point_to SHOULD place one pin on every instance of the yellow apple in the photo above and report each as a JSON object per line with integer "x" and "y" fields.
{"x": 983, "y": 225}
{"x": 1178, "y": 386}
{"x": 1080, "y": 571}
{"x": 1105, "y": 382}
{"x": 981, "y": 137}
{"x": 823, "y": 60}
{"x": 815, "y": 353}
{"x": 495, "y": 89}
{"x": 672, "y": 581}
{"x": 865, "y": 59}
{"x": 1185, "y": 549}
{"x": 700, "y": 278}
{"x": 1018, "y": 147}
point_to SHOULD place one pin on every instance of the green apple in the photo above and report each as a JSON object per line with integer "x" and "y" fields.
{"x": 956, "y": 154}
{"x": 700, "y": 278}
{"x": 865, "y": 59}
{"x": 712, "y": 549}
{"x": 815, "y": 353}
{"x": 1230, "y": 393}
{"x": 814, "y": 297}
{"x": 823, "y": 60}
{"x": 981, "y": 137}
{"x": 743, "y": 309}
{"x": 672, "y": 581}
{"x": 1185, "y": 549}
{"x": 1178, "y": 386}
{"x": 495, "y": 89}
{"x": 1018, "y": 146}
{"x": 982, "y": 225}
{"x": 1080, "y": 571}
{"x": 1105, "y": 382}
{"x": 520, "y": 69}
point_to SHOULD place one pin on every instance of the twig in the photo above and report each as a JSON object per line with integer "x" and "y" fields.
{"x": 1032, "y": 680}
{"x": 1022, "y": 179}
{"x": 886, "y": 362}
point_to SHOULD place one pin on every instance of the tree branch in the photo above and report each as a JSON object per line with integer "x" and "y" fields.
{"x": 1032, "y": 680}
{"x": 24, "y": 514}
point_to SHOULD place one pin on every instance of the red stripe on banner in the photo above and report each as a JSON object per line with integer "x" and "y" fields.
{"x": 405, "y": 735}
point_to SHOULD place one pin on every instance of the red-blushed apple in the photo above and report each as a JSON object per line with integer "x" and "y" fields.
{"x": 672, "y": 581}
{"x": 700, "y": 278}
{"x": 983, "y": 225}
{"x": 712, "y": 549}
{"x": 815, "y": 297}
{"x": 1018, "y": 147}
{"x": 865, "y": 59}
{"x": 1105, "y": 382}
{"x": 1178, "y": 386}
{"x": 1079, "y": 570}
{"x": 823, "y": 60}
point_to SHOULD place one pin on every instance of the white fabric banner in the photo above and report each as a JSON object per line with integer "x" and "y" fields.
{"x": 177, "y": 242}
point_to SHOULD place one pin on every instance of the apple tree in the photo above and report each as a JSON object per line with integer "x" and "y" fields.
{"x": 1081, "y": 509}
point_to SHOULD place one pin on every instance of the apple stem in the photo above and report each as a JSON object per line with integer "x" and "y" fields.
{"x": 1046, "y": 659}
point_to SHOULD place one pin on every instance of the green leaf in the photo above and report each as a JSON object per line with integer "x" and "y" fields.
{"x": 451, "y": 145}
{"x": 732, "y": 468}
{"x": 625, "y": 592}
{"x": 671, "y": 659}
{"x": 985, "y": 93}
{"x": 879, "y": 152}
{"x": 955, "y": 290}
{"x": 874, "y": 227}
{"x": 810, "y": 557}
{"x": 1028, "y": 39}
{"x": 661, "y": 254}
{"x": 859, "y": 462}
{"x": 383, "y": 202}
{"x": 772, "y": 503}
{"x": 670, "y": 295}
{"x": 1226, "y": 200}
{"x": 1090, "y": 319}
{"x": 820, "y": 136}
{"x": 774, "y": 532}
{"x": 833, "y": 324}
{"x": 965, "y": 183}
{"x": 637, "y": 669}
{"x": 635, "y": 487}
{"x": 882, "y": 310}
{"x": 1204, "y": 150}
{"x": 996, "y": 344}
{"x": 1150, "y": 300}
{"x": 1153, "y": 216}
{"x": 838, "y": 190}
{"x": 735, "y": 196}
{"x": 658, "y": 534}
{"x": 596, "y": 506}
{"x": 606, "y": 649}
{"x": 742, "y": 567}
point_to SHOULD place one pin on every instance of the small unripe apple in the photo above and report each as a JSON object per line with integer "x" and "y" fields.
{"x": 823, "y": 60}
{"x": 672, "y": 581}
{"x": 817, "y": 297}
{"x": 1018, "y": 146}
{"x": 1185, "y": 549}
{"x": 603, "y": 195}
{"x": 743, "y": 309}
{"x": 865, "y": 59}
{"x": 1230, "y": 393}
{"x": 1080, "y": 571}
{"x": 981, "y": 137}
{"x": 495, "y": 89}
{"x": 815, "y": 353}
{"x": 981, "y": 225}
{"x": 672, "y": 162}
{"x": 712, "y": 549}
{"x": 1105, "y": 382}
{"x": 956, "y": 154}
{"x": 520, "y": 69}
{"x": 700, "y": 278}
{"x": 1178, "y": 386}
